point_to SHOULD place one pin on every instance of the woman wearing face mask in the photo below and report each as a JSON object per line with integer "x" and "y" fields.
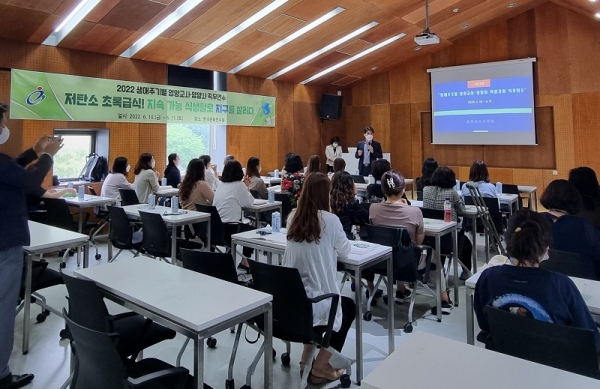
{"x": 333, "y": 151}
{"x": 172, "y": 173}
{"x": 145, "y": 181}
{"x": 253, "y": 170}
{"x": 116, "y": 180}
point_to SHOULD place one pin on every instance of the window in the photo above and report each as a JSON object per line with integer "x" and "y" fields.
{"x": 190, "y": 141}
{"x": 71, "y": 159}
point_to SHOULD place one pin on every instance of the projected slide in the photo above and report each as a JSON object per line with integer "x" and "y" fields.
{"x": 488, "y": 105}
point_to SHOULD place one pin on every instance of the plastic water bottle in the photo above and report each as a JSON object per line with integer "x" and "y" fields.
{"x": 499, "y": 187}
{"x": 357, "y": 172}
{"x": 151, "y": 201}
{"x": 447, "y": 210}
{"x": 276, "y": 222}
{"x": 80, "y": 192}
{"x": 163, "y": 182}
{"x": 271, "y": 196}
{"x": 276, "y": 173}
{"x": 371, "y": 179}
{"x": 174, "y": 204}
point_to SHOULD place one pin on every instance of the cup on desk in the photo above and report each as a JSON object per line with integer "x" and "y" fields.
{"x": 151, "y": 201}
{"x": 163, "y": 182}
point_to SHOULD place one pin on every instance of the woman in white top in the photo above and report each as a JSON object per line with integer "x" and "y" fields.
{"x": 333, "y": 151}
{"x": 210, "y": 173}
{"x": 231, "y": 196}
{"x": 116, "y": 180}
{"x": 315, "y": 239}
{"x": 146, "y": 181}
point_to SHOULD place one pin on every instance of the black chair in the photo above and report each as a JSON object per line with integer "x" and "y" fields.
{"x": 358, "y": 179}
{"x": 493, "y": 208}
{"x": 562, "y": 347}
{"x": 98, "y": 365}
{"x": 41, "y": 278}
{"x": 419, "y": 195}
{"x": 217, "y": 228}
{"x": 286, "y": 207}
{"x": 405, "y": 256}
{"x": 565, "y": 263}
{"x": 128, "y": 197}
{"x": 293, "y": 314}
{"x": 121, "y": 232}
{"x": 255, "y": 194}
{"x": 511, "y": 189}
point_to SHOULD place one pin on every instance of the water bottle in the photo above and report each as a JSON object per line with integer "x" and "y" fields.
{"x": 70, "y": 185}
{"x": 447, "y": 210}
{"x": 276, "y": 222}
{"x": 276, "y": 173}
{"x": 174, "y": 204}
{"x": 457, "y": 187}
{"x": 357, "y": 172}
{"x": 163, "y": 182}
{"x": 151, "y": 201}
{"x": 371, "y": 179}
{"x": 80, "y": 192}
{"x": 271, "y": 197}
{"x": 499, "y": 187}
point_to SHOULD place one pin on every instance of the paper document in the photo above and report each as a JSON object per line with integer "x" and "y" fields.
{"x": 361, "y": 248}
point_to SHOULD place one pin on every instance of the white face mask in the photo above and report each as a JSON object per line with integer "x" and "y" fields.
{"x": 369, "y": 138}
{"x": 4, "y": 135}
{"x": 127, "y": 168}
{"x": 153, "y": 164}
{"x": 545, "y": 257}
{"x": 335, "y": 145}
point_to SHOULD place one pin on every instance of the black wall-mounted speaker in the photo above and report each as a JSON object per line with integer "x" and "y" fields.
{"x": 331, "y": 107}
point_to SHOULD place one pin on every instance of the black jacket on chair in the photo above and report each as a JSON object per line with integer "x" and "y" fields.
{"x": 375, "y": 155}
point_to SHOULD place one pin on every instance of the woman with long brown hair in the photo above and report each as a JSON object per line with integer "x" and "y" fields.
{"x": 194, "y": 189}
{"x": 315, "y": 238}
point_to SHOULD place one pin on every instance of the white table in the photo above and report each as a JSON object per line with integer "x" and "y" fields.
{"x": 509, "y": 199}
{"x": 362, "y": 188}
{"x": 46, "y": 239}
{"x": 167, "y": 192}
{"x": 262, "y": 206}
{"x": 174, "y": 221}
{"x": 531, "y": 192}
{"x": 88, "y": 201}
{"x": 414, "y": 365}
{"x": 193, "y": 304}
{"x": 274, "y": 243}
{"x": 270, "y": 181}
{"x": 589, "y": 289}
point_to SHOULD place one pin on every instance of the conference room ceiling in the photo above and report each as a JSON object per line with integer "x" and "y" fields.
{"x": 115, "y": 25}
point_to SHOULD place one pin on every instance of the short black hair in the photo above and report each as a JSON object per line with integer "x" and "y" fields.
{"x": 368, "y": 128}
{"x": 232, "y": 171}
{"x": 428, "y": 168}
{"x": 119, "y": 165}
{"x": 205, "y": 158}
{"x": 339, "y": 165}
{"x": 334, "y": 139}
{"x": 379, "y": 167}
{"x": 443, "y": 177}
{"x": 586, "y": 182}
{"x": 562, "y": 195}
{"x": 293, "y": 164}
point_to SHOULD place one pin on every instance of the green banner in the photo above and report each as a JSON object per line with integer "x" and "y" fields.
{"x": 51, "y": 96}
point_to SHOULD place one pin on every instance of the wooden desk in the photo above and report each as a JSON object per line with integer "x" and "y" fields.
{"x": 193, "y": 304}
{"x": 46, "y": 239}
{"x": 417, "y": 364}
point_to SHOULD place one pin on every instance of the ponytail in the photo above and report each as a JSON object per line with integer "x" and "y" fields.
{"x": 528, "y": 236}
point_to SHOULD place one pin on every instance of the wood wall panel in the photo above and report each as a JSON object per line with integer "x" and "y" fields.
{"x": 584, "y": 53}
{"x": 380, "y": 89}
{"x": 401, "y": 138}
{"x": 586, "y": 127}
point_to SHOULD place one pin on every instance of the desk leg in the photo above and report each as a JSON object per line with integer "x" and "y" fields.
{"x": 80, "y": 220}
{"x": 486, "y": 239}
{"x": 110, "y": 252}
{"x": 470, "y": 319}
{"x": 358, "y": 299}
{"x": 474, "y": 251}
{"x": 198, "y": 363}
{"x": 438, "y": 281}
{"x": 27, "y": 307}
{"x": 233, "y": 250}
{"x": 270, "y": 258}
{"x": 207, "y": 248}
{"x": 257, "y": 216}
{"x": 391, "y": 303}
{"x": 86, "y": 255}
{"x": 455, "y": 262}
{"x": 174, "y": 246}
{"x": 536, "y": 200}
{"x": 268, "y": 353}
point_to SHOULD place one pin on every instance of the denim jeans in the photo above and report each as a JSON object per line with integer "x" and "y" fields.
{"x": 11, "y": 267}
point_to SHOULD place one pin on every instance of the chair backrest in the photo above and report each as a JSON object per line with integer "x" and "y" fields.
{"x": 565, "y": 263}
{"x": 358, "y": 179}
{"x": 92, "y": 190}
{"x": 493, "y": 208}
{"x": 215, "y": 265}
{"x": 510, "y": 188}
{"x": 128, "y": 197}
{"x": 255, "y": 194}
{"x": 566, "y": 348}
{"x": 120, "y": 233}
{"x": 286, "y": 207}
{"x": 98, "y": 365}
{"x": 86, "y": 304}
{"x": 419, "y": 195}
{"x": 292, "y": 312}
{"x": 429, "y": 213}
{"x": 156, "y": 239}
{"x": 217, "y": 230}
{"x": 59, "y": 214}
{"x": 405, "y": 256}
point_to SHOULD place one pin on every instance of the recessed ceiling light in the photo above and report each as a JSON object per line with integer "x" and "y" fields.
{"x": 352, "y": 59}
{"x": 161, "y": 27}
{"x": 511, "y": 5}
{"x": 235, "y": 31}
{"x": 324, "y": 49}
{"x": 68, "y": 24}
{"x": 290, "y": 38}
{"x": 593, "y": 1}
{"x": 374, "y": 68}
{"x": 417, "y": 48}
{"x": 455, "y": 10}
{"x": 465, "y": 26}
{"x": 597, "y": 15}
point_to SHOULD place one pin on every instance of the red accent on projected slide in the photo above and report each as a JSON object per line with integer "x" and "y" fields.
{"x": 478, "y": 84}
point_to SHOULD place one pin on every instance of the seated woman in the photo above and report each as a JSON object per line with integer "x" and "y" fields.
{"x": 314, "y": 164}
{"x": 253, "y": 170}
{"x": 429, "y": 166}
{"x": 194, "y": 189}
{"x": 394, "y": 212}
{"x": 116, "y": 179}
{"x": 586, "y": 182}
{"x": 172, "y": 173}
{"x": 339, "y": 165}
{"x": 291, "y": 183}
{"x": 521, "y": 287}
{"x": 146, "y": 181}
{"x": 344, "y": 203}
{"x": 441, "y": 188}
{"x": 479, "y": 174}
{"x": 374, "y": 191}
{"x": 210, "y": 172}
{"x": 231, "y": 196}
{"x": 569, "y": 232}
{"x": 315, "y": 238}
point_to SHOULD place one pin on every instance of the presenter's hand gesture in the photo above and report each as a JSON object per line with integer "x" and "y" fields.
{"x": 40, "y": 145}
{"x": 359, "y": 152}
{"x": 53, "y": 146}
{"x": 370, "y": 149}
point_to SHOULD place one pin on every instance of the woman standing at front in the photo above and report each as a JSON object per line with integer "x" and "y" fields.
{"x": 145, "y": 181}
{"x": 333, "y": 151}
{"x": 315, "y": 238}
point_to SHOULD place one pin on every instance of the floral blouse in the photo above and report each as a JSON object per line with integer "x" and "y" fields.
{"x": 291, "y": 184}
